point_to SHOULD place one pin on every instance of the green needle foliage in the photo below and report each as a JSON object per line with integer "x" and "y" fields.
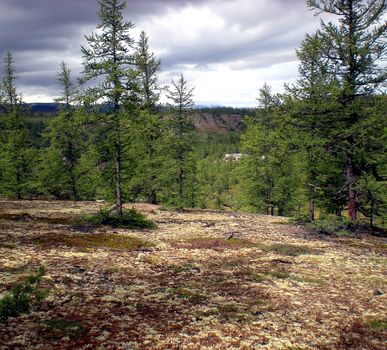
{"x": 16, "y": 149}
{"x": 351, "y": 51}
{"x": 58, "y": 166}
{"x": 182, "y": 162}
{"x": 24, "y": 296}
{"x": 108, "y": 63}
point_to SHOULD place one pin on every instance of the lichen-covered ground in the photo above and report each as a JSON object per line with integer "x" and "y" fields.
{"x": 201, "y": 280}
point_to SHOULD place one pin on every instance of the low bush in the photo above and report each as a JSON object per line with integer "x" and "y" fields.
{"x": 130, "y": 218}
{"x": 379, "y": 325}
{"x": 23, "y": 297}
{"x": 333, "y": 226}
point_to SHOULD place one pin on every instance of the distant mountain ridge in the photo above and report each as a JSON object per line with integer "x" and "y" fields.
{"x": 217, "y": 119}
{"x": 42, "y": 107}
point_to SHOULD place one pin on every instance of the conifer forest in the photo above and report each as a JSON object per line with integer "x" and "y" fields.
{"x": 133, "y": 218}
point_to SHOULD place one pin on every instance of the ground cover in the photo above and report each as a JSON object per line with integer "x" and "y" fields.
{"x": 200, "y": 280}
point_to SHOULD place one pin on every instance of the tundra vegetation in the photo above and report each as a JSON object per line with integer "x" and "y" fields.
{"x": 205, "y": 268}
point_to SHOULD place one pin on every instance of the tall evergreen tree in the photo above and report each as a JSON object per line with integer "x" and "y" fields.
{"x": 313, "y": 103}
{"x": 148, "y": 67}
{"x": 257, "y": 143}
{"x": 108, "y": 62}
{"x": 181, "y": 97}
{"x": 354, "y": 50}
{"x": 149, "y": 128}
{"x": 269, "y": 170}
{"x": 17, "y": 151}
{"x": 58, "y": 172}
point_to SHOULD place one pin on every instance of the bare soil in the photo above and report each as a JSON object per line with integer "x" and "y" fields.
{"x": 201, "y": 280}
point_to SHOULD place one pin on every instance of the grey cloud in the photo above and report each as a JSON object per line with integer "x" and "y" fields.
{"x": 40, "y": 33}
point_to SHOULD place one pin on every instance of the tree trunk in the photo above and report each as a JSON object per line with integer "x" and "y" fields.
{"x": 311, "y": 203}
{"x": 181, "y": 186}
{"x": 352, "y": 209}
{"x": 71, "y": 160}
{"x": 152, "y": 194}
{"x": 267, "y": 195}
{"x": 117, "y": 160}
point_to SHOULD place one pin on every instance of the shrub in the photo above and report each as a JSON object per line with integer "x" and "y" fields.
{"x": 380, "y": 325}
{"x": 23, "y": 297}
{"x": 130, "y": 218}
{"x": 333, "y": 226}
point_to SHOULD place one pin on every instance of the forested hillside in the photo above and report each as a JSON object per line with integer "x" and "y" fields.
{"x": 134, "y": 217}
{"x": 317, "y": 150}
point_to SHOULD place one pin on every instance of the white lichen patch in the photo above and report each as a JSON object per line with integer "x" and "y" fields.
{"x": 273, "y": 286}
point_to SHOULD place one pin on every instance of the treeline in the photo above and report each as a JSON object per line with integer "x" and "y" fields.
{"x": 319, "y": 147}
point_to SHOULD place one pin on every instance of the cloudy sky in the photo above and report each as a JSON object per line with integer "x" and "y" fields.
{"x": 226, "y": 49}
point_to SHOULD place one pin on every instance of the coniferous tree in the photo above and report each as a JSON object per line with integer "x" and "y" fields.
{"x": 258, "y": 143}
{"x": 269, "y": 169}
{"x": 354, "y": 50}
{"x": 181, "y": 97}
{"x": 150, "y": 124}
{"x": 58, "y": 168}
{"x": 108, "y": 62}
{"x": 148, "y": 67}
{"x": 17, "y": 151}
{"x": 313, "y": 102}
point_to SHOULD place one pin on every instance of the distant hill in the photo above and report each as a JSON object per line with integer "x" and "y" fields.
{"x": 42, "y": 108}
{"x": 218, "y": 120}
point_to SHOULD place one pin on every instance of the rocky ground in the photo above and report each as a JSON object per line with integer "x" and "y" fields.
{"x": 201, "y": 280}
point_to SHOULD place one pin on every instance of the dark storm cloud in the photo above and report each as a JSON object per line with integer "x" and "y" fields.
{"x": 252, "y": 34}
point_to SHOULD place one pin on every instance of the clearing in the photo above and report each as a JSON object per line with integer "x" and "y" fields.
{"x": 201, "y": 280}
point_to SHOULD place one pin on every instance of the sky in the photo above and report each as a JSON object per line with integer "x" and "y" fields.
{"x": 226, "y": 49}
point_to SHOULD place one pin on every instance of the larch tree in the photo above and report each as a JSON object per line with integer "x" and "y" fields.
{"x": 313, "y": 106}
{"x": 150, "y": 121}
{"x": 17, "y": 149}
{"x": 59, "y": 161}
{"x": 108, "y": 62}
{"x": 148, "y": 67}
{"x": 354, "y": 50}
{"x": 270, "y": 169}
{"x": 258, "y": 142}
{"x": 181, "y": 99}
